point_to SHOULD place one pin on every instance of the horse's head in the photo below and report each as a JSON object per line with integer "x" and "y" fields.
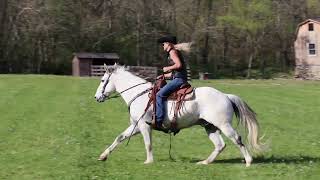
{"x": 106, "y": 86}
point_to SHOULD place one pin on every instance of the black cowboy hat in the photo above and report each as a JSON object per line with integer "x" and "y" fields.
{"x": 169, "y": 39}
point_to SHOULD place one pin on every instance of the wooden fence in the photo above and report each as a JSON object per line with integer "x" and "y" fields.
{"x": 97, "y": 70}
{"x": 145, "y": 72}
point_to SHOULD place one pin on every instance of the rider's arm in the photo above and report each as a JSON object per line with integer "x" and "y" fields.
{"x": 166, "y": 75}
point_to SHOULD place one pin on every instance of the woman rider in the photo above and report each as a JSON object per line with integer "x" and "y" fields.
{"x": 176, "y": 70}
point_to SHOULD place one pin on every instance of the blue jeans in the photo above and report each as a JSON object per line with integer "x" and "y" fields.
{"x": 162, "y": 96}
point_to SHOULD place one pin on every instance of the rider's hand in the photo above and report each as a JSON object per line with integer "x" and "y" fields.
{"x": 166, "y": 69}
{"x": 159, "y": 77}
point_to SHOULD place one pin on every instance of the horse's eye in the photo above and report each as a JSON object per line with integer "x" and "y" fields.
{"x": 102, "y": 80}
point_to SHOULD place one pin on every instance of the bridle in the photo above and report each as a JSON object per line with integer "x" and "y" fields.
{"x": 104, "y": 86}
{"x": 118, "y": 94}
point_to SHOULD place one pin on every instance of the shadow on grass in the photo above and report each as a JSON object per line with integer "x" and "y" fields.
{"x": 272, "y": 159}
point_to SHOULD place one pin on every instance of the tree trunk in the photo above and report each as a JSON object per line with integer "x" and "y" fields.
{"x": 173, "y": 17}
{"x": 225, "y": 45}
{"x": 110, "y": 5}
{"x": 40, "y": 56}
{"x": 286, "y": 60}
{"x": 262, "y": 67}
{"x": 138, "y": 38}
{"x": 205, "y": 52}
{"x": 3, "y": 17}
{"x": 249, "y": 66}
{"x": 252, "y": 56}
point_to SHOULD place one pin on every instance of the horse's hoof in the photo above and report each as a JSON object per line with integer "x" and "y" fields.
{"x": 248, "y": 161}
{"x": 148, "y": 162}
{"x": 204, "y": 162}
{"x": 103, "y": 158}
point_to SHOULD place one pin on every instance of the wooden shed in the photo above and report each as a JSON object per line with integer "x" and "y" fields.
{"x": 91, "y": 64}
{"x": 307, "y": 49}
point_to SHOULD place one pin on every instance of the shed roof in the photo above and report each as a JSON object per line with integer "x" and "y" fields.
{"x": 85, "y": 55}
{"x": 315, "y": 20}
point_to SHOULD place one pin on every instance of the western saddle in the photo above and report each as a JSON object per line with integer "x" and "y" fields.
{"x": 184, "y": 93}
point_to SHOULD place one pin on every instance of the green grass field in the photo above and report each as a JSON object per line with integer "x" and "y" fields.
{"x": 52, "y": 128}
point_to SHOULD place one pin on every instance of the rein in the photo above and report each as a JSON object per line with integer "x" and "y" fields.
{"x": 118, "y": 94}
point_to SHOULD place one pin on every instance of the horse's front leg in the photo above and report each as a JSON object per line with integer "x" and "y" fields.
{"x": 146, "y": 133}
{"x": 123, "y": 136}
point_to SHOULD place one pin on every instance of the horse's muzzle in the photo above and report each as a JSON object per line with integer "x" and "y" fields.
{"x": 101, "y": 98}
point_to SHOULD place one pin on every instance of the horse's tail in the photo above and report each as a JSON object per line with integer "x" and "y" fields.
{"x": 248, "y": 119}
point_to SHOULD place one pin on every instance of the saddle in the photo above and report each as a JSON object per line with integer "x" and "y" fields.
{"x": 184, "y": 93}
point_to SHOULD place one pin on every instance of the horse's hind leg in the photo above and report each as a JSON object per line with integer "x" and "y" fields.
{"x": 215, "y": 136}
{"x": 228, "y": 130}
{"x": 123, "y": 136}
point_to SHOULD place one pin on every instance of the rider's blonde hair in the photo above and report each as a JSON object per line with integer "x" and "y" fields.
{"x": 186, "y": 47}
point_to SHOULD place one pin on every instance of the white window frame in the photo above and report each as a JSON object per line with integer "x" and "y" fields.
{"x": 315, "y": 49}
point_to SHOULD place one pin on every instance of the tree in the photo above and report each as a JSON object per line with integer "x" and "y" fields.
{"x": 250, "y": 18}
{"x": 229, "y": 35}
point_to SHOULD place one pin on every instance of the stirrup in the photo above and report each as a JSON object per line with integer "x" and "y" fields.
{"x": 175, "y": 131}
{"x": 149, "y": 123}
{"x": 161, "y": 129}
{"x": 154, "y": 126}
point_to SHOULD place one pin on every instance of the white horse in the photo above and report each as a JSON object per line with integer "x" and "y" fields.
{"x": 210, "y": 108}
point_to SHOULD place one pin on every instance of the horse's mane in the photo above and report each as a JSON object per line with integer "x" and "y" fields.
{"x": 128, "y": 74}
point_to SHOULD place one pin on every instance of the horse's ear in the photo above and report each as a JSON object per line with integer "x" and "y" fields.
{"x": 115, "y": 65}
{"x": 106, "y": 67}
{"x": 127, "y": 68}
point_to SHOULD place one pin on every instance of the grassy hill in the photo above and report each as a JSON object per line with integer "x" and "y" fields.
{"x": 52, "y": 128}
